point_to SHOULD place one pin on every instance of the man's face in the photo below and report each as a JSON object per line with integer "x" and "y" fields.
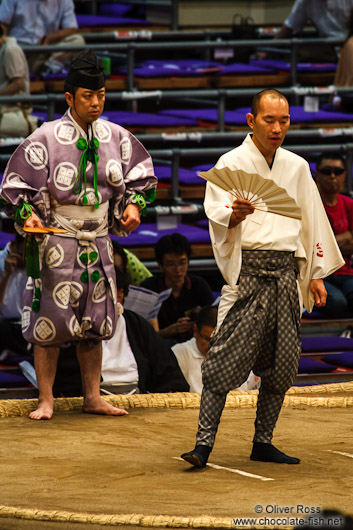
{"x": 175, "y": 267}
{"x": 330, "y": 176}
{"x": 270, "y": 125}
{"x": 87, "y": 105}
{"x": 203, "y": 337}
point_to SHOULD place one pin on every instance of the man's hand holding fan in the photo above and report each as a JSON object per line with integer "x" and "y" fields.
{"x": 252, "y": 192}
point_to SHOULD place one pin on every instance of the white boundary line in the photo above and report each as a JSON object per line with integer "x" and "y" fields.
{"x": 231, "y": 470}
{"x": 341, "y": 453}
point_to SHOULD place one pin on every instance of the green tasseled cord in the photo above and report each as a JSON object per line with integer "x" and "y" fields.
{"x": 89, "y": 153}
{"x": 32, "y": 257}
{"x": 23, "y": 212}
{"x": 150, "y": 195}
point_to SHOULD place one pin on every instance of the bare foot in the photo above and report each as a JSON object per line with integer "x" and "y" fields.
{"x": 44, "y": 410}
{"x": 99, "y": 406}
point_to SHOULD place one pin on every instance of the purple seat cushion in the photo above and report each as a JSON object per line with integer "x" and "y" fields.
{"x": 202, "y": 167}
{"x": 298, "y": 115}
{"x": 58, "y": 75}
{"x": 99, "y": 20}
{"x": 12, "y": 380}
{"x": 115, "y": 10}
{"x": 147, "y": 234}
{"x": 202, "y": 223}
{"x": 140, "y": 119}
{"x": 277, "y": 65}
{"x": 176, "y": 68}
{"x": 241, "y": 68}
{"x": 186, "y": 176}
{"x": 5, "y": 238}
{"x": 340, "y": 359}
{"x": 311, "y": 366}
{"x": 322, "y": 344}
{"x": 232, "y": 117}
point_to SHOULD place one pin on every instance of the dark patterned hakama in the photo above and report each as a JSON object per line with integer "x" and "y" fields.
{"x": 259, "y": 333}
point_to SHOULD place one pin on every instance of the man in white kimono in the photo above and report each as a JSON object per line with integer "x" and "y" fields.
{"x": 264, "y": 258}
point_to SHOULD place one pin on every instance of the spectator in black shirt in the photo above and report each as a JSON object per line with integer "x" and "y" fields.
{"x": 189, "y": 291}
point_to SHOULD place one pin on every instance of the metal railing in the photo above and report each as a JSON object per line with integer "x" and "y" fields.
{"x": 219, "y": 96}
{"x": 133, "y": 48}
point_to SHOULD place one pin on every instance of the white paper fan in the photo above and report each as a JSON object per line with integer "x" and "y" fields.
{"x": 263, "y": 193}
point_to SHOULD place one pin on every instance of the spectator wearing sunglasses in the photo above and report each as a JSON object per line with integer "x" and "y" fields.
{"x": 330, "y": 176}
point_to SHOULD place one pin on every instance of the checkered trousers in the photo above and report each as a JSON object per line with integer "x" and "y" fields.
{"x": 259, "y": 333}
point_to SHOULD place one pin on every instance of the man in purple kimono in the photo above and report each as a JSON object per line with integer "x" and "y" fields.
{"x": 86, "y": 176}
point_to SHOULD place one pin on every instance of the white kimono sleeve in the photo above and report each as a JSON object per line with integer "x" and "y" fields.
{"x": 226, "y": 242}
{"x": 318, "y": 254}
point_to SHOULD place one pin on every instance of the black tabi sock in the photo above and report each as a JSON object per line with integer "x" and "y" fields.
{"x": 198, "y": 457}
{"x": 263, "y": 452}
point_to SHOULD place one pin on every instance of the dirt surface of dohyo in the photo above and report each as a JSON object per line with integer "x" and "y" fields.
{"x": 130, "y": 465}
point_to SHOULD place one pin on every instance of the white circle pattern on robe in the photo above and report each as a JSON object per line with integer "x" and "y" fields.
{"x": 55, "y": 256}
{"x": 103, "y": 131}
{"x": 36, "y": 155}
{"x": 16, "y": 180}
{"x": 44, "y": 330}
{"x": 26, "y": 318}
{"x": 75, "y": 328}
{"x": 106, "y": 327}
{"x": 112, "y": 291}
{"x": 126, "y": 150}
{"x": 114, "y": 173}
{"x": 64, "y": 176}
{"x": 99, "y": 291}
{"x": 61, "y": 294}
{"x": 91, "y": 197}
{"x": 66, "y": 133}
{"x": 110, "y": 251}
{"x": 76, "y": 291}
{"x": 136, "y": 173}
{"x": 29, "y": 283}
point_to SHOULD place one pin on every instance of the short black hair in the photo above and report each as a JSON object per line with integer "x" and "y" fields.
{"x": 119, "y": 250}
{"x": 330, "y": 156}
{"x": 207, "y": 316}
{"x": 172, "y": 243}
{"x": 69, "y": 88}
{"x": 122, "y": 281}
{"x": 255, "y": 104}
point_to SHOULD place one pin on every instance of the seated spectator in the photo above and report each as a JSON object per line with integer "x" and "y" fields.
{"x": 135, "y": 359}
{"x": 330, "y": 178}
{"x": 344, "y": 72}
{"x": 330, "y": 19}
{"x": 15, "y": 118}
{"x": 128, "y": 262}
{"x": 35, "y": 22}
{"x": 189, "y": 291}
{"x": 13, "y": 278}
{"x": 191, "y": 354}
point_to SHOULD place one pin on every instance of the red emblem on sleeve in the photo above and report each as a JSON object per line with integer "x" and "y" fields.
{"x": 319, "y": 251}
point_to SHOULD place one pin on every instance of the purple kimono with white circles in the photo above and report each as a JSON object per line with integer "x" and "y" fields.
{"x": 75, "y": 296}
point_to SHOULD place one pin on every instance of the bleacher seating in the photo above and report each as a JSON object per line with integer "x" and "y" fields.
{"x": 212, "y": 76}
